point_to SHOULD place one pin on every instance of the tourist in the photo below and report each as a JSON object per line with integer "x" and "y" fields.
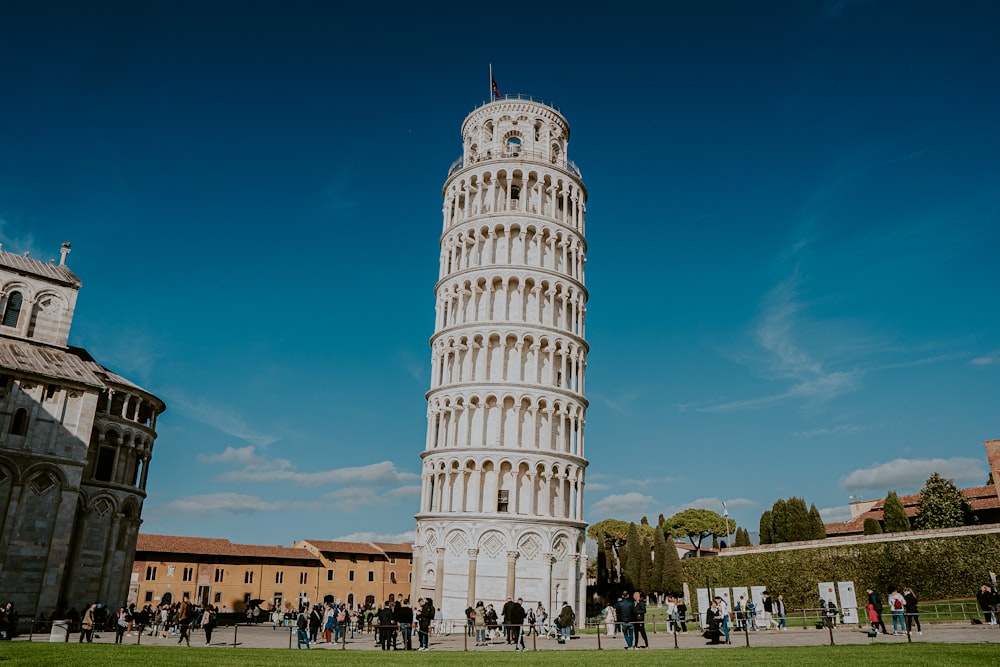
{"x": 515, "y": 623}
{"x": 722, "y": 610}
{"x": 988, "y": 599}
{"x": 386, "y": 627}
{"x": 567, "y": 618}
{"x": 713, "y": 624}
{"x": 639, "y": 619}
{"x": 302, "y": 630}
{"x": 912, "y": 612}
{"x": 896, "y": 606}
{"x": 609, "y": 620}
{"x": 185, "y": 615}
{"x": 404, "y": 617}
{"x": 424, "y": 619}
{"x": 87, "y": 624}
{"x": 480, "y": 623}
{"x": 682, "y": 610}
{"x": 779, "y": 609}
{"x": 543, "y": 617}
{"x": 315, "y": 622}
{"x": 121, "y": 624}
{"x": 876, "y": 605}
{"x": 625, "y": 615}
{"x": 208, "y": 620}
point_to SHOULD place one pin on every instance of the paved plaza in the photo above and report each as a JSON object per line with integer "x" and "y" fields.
{"x": 263, "y": 636}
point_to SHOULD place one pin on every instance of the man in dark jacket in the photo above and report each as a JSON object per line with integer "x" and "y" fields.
{"x": 404, "y": 616}
{"x": 639, "y": 618}
{"x": 876, "y": 602}
{"x": 514, "y": 619}
{"x": 625, "y": 614}
{"x": 386, "y": 626}
{"x": 505, "y": 612}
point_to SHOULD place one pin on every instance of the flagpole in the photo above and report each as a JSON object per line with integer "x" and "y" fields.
{"x": 490, "y": 96}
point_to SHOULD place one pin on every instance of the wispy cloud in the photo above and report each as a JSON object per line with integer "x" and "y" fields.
{"x": 713, "y": 503}
{"x": 841, "y": 429}
{"x": 222, "y": 418}
{"x": 384, "y": 473}
{"x": 353, "y": 498}
{"x": 19, "y": 244}
{"x": 371, "y": 536}
{"x": 620, "y": 403}
{"x": 912, "y": 473}
{"x": 632, "y": 504}
{"x": 644, "y": 483}
{"x": 987, "y": 359}
{"x": 245, "y": 457}
{"x": 231, "y": 503}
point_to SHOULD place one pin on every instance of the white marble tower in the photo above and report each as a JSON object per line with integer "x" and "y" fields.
{"x": 501, "y": 513}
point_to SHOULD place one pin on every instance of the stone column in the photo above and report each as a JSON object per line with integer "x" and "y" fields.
{"x": 8, "y": 524}
{"x": 571, "y": 583}
{"x": 582, "y": 609}
{"x": 511, "y": 573}
{"x": 547, "y": 583}
{"x": 439, "y": 583}
{"x": 417, "y": 572}
{"x": 471, "y": 586}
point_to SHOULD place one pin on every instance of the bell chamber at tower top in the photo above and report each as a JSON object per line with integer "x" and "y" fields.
{"x": 514, "y": 160}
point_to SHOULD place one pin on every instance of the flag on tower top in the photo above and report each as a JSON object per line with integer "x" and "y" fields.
{"x": 496, "y": 90}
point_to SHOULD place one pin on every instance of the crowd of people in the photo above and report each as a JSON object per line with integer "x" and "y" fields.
{"x": 514, "y": 622}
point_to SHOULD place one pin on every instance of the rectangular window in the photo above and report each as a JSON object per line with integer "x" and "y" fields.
{"x": 248, "y": 577}
{"x": 50, "y": 391}
{"x": 371, "y": 575}
{"x": 150, "y": 573}
{"x": 246, "y": 599}
{"x": 105, "y": 464}
{"x": 303, "y": 577}
{"x": 279, "y": 577}
{"x": 329, "y": 575}
{"x": 350, "y": 575}
{"x": 392, "y": 559}
{"x": 503, "y": 498}
{"x": 188, "y": 574}
{"x": 149, "y": 596}
{"x": 279, "y": 597}
{"x": 219, "y": 572}
{"x": 218, "y": 598}
{"x": 392, "y": 577}
{"x": 170, "y": 571}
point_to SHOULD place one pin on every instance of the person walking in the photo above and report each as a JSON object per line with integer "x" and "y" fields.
{"x": 87, "y": 624}
{"x": 185, "y": 614}
{"x": 515, "y": 624}
{"x": 208, "y": 620}
{"x": 912, "y": 611}
{"x": 639, "y": 619}
{"x": 875, "y": 603}
{"x": 779, "y": 609}
{"x": 567, "y": 618}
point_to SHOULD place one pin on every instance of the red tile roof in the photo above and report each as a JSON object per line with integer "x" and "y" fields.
{"x": 362, "y": 548}
{"x": 214, "y": 546}
{"x": 979, "y": 497}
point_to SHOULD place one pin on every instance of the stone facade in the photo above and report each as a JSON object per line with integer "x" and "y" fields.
{"x": 501, "y": 512}
{"x": 75, "y": 445}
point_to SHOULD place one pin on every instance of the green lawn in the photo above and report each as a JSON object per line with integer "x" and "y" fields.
{"x": 87, "y": 655}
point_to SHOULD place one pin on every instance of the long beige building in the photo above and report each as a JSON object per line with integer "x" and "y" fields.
{"x": 232, "y": 576}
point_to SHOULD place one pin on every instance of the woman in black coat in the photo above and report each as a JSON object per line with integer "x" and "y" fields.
{"x": 424, "y": 619}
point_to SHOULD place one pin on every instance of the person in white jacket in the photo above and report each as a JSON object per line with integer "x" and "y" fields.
{"x": 609, "y": 620}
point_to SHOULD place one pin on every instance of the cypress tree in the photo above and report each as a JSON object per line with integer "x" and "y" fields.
{"x": 779, "y": 521}
{"x": 872, "y": 527}
{"x": 894, "y": 514}
{"x": 632, "y": 567}
{"x": 798, "y": 523}
{"x": 659, "y": 560}
{"x": 766, "y": 528}
{"x": 819, "y": 527}
{"x": 742, "y": 538}
{"x": 646, "y": 568}
{"x": 673, "y": 574}
{"x": 603, "y": 580}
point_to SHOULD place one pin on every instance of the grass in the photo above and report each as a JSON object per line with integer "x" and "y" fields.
{"x": 86, "y": 655}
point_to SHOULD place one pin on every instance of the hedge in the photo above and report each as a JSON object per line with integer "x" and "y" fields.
{"x": 935, "y": 568}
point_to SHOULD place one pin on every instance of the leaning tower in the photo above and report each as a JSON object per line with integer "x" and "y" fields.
{"x": 501, "y": 509}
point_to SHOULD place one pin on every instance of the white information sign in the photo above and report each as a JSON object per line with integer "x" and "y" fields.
{"x": 848, "y": 601}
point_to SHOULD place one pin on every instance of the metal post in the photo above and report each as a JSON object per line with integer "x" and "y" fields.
{"x": 465, "y": 640}
{"x": 675, "y": 624}
{"x": 599, "y": 636}
{"x": 290, "y": 635}
{"x": 746, "y": 626}
{"x": 236, "y": 627}
{"x": 829, "y": 626}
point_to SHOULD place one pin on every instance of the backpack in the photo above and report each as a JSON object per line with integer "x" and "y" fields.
{"x": 341, "y": 616}
{"x": 896, "y": 604}
{"x": 302, "y": 623}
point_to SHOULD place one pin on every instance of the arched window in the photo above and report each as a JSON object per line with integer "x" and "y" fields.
{"x": 512, "y": 147}
{"x": 13, "y": 310}
{"x": 19, "y": 424}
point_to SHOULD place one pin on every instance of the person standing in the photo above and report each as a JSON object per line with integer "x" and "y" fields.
{"x": 987, "y": 599}
{"x": 722, "y": 609}
{"x": 625, "y": 614}
{"x": 896, "y": 606}
{"x": 302, "y": 630}
{"x": 682, "y": 610}
{"x": 713, "y": 624}
{"x": 876, "y": 607}
{"x": 912, "y": 612}
{"x": 505, "y": 612}
{"x": 779, "y": 609}
{"x": 480, "y": 621}
{"x": 404, "y": 616}
{"x": 121, "y": 624}
{"x": 639, "y": 619}
{"x": 184, "y": 616}
{"x": 315, "y": 622}
{"x": 424, "y": 619}
{"x": 276, "y": 618}
{"x": 87, "y": 624}
{"x": 543, "y": 617}
{"x": 386, "y": 626}
{"x": 609, "y": 620}
{"x": 567, "y": 618}
{"x": 515, "y": 624}
{"x": 208, "y": 620}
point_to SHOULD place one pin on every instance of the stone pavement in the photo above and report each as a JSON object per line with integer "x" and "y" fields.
{"x": 263, "y": 636}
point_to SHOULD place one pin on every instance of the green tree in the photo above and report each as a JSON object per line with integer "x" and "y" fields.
{"x": 673, "y": 572}
{"x": 697, "y": 524}
{"x": 646, "y": 565}
{"x": 894, "y": 514}
{"x": 819, "y": 528}
{"x": 766, "y": 534}
{"x": 779, "y": 521}
{"x": 742, "y": 538}
{"x": 659, "y": 561}
{"x": 632, "y": 566}
{"x": 798, "y": 523}
{"x": 942, "y": 505}
{"x": 872, "y": 526}
{"x": 603, "y": 574}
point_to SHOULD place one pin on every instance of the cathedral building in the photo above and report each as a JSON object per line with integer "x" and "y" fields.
{"x": 75, "y": 445}
{"x": 501, "y": 512}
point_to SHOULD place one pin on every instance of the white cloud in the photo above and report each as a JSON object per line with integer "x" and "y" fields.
{"x": 834, "y": 514}
{"x": 353, "y": 498}
{"x": 987, "y": 360}
{"x": 399, "y": 493}
{"x": 713, "y": 503}
{"x": 597, "y": 486}
{"x": 246, "y": 457}
{"x": 233, "y": 503}
{"x": 384, "y": 473}
{"x": 623, "y": 505}
{"x": 902, "y": 474}
{"x": 842, "y": 429}
{"x": 643, "y": 483}
{"x": 371, "y": 536}
{"x": 221, "y": 418}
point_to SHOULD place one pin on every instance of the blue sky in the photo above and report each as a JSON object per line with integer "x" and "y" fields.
{"x": 793, "y": 229}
